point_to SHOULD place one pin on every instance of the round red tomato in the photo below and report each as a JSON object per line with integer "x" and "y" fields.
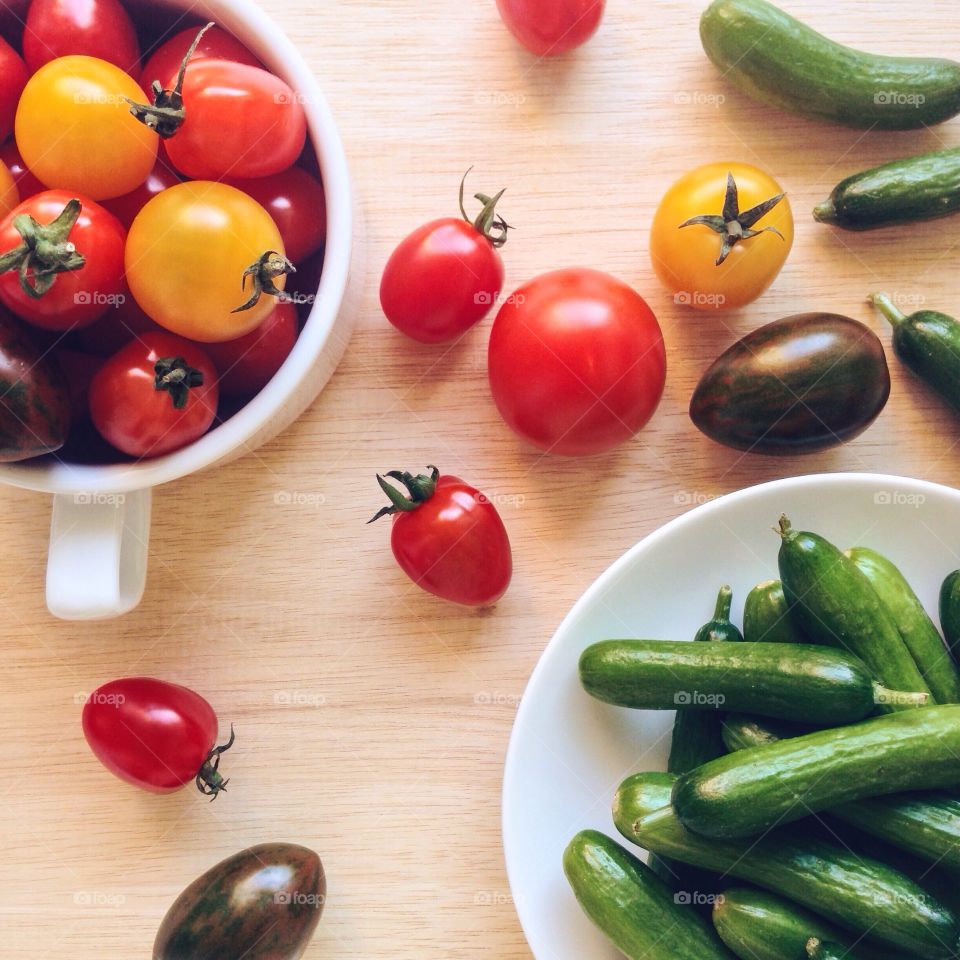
{"x": 76, "y": 297}
{"x": 215, "y": 44}
{"x": 248, "y": 364}
{"x": 296, "y": 201}
{"x": 27, "y": 183}
{"x": 155, "y": 735}
{"x": 156, "y": 395}
{"x": 577, "y": 362}
{"x": 13, "y": 78}
{"x": 89, "y": 28}
{"x": 448, "y": 538}
{"x": 551, "y": 27}
{"x": 126, "y": 208}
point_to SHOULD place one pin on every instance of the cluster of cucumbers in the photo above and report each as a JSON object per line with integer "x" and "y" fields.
{"x": 814, "y": 757}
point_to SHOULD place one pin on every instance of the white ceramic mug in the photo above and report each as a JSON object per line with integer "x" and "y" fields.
{"x": 100, "y": 528}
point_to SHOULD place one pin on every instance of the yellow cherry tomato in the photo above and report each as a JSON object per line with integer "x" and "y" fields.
{"x": 186, "y": 255}
{"x": 685, "y": 257}
{"x": 74, "y": 129}
{"x": 9, "y": 194}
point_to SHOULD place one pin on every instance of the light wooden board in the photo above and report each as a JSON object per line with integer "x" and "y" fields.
{"x": 372, "y": 720}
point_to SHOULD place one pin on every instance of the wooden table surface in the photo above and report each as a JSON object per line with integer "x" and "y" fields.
{"x": 372, "y": 720}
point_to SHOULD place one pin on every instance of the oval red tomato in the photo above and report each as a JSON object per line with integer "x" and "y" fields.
{"x": 126, "y": 208}
{"x": 134, "y": 396}
{"x": 153, "y": 734}
{"x": 13, "y": 78}
{"x": 576, "y": 361}
{"x": 551, "y": 27}
{"x": 215, "y": 44}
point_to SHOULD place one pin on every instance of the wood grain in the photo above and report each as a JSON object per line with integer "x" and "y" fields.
{"x": 372, "y": 720}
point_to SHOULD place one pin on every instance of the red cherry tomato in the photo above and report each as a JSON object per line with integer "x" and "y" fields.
{"x": 90, "y": 28}
{"x": 240, "y": 122}
{"x": 126, "y": 208}
{"x": 215, "y": 44}
{"x": 117, "y": 327}
{"x": 248, "y": 364}
{"x": 448, "y": 538}
{"x": 296, "y": 201}
{"x": 551, "y": 27}
{"x": 155, "y": 735}
{"x": 27, "y": 183}
{"x": 77, "y": 297}
{"x": 577, "y": 363}
{"x": 13, "y": 78}
{"x": 134, "y": 396}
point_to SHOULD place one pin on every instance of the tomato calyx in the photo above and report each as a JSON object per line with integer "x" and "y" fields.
{"x": 488, "y": 223}
{"x": 177, "y": 377}
{"x": 419, "y": 490}
{"x": 165, "y": 115}
{"x": 732, "y": 225}
{"x": 209, "y": 780}
{"x": 45, "y": 250}
{"x": 264, "y": 271}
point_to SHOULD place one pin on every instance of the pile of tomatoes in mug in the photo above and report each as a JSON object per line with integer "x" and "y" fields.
{"x": 160, "y": 207}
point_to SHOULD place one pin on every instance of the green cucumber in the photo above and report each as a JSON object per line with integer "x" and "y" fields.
{"x": 778, "y": 60}
{"x": 750, "y": 791}
{"x": 836, "y": 604}
{"x": 822, "y": 950}
{"x": 852, "y": 890}
{"x": 787, "y": 681}
{"x": 766, "y": 616}
{"x": 740, "y": 731}
{"x": 928, "y": 343}
{"x": 633, "y": 907}
{"x": 923, "y": 187}
{"x": 950, "y": 612}
{"x": 919, "y": 633}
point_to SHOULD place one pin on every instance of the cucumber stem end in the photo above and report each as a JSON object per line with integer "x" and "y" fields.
{"x": 885, "y": 696}
{"x": 887, "y": 308}
{"x": 825, "y": 212}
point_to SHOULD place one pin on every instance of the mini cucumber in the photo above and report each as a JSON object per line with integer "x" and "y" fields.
{"x": 854, "y": 891}
{"x": 919, "y": 633}
{"x": 740, "y": 731}
{"x": 632, "y": 907}
{"x": 778, "y": 60}
{"x": 822, "y": 950}
{"x": 787, "y": 681}
{"x": 750, "y": 791}
{"x": 766, "y": 616}
{"x": 923, "y": 187}
{"x": 950, "y": 612}
{"x": 836, "y": 604}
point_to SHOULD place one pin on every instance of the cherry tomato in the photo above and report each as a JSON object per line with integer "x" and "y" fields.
{"x": 156, "y": 395}
{"x": 156, "y": 735}
{"x": 117, "y": 327}
{"x": 215, "y": 44}
{"x": 76, "y": 297}
{"x": 685, "y": 255}
{"x": 448, "y": 538}
{"x": 239, "y": 122}
{"x": 13, "y": 78}
{"x": 577, "y": 362}
{"x": 186, "y": 255}
{"x": 296, "y": 201}
{"x": 91, "y": 28}
{"x": 27, "y": 183}
{"x": 551, "y": 27}
{"x": 9, "y": 194}
{"x": 126, "y": 208}
{"x": 75, "y": 130}
{"x": 248, "y": 364}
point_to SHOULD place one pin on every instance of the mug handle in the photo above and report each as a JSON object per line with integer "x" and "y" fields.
{"x": 97, "y": 562}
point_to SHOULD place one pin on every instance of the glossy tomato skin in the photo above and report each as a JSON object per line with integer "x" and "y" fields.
{"x": 27, "y": 183}
{"x": 78, "y": 297}
{"x": 13, "y": 78}
{"x": 9, "y": 194}
{"x": 126, "y": 208}
{"x": 215, "y": 44}
{"x": 685, "y": 258}
{"x": 455, "y": 545}
{"x": 441, "y": 280}
{"x": 136, "y": 418}
{"x": 577, "y": 362}
{"x": 75, "y": 131}
{"x": 153, "y": 734}
{"x": 91, "y": 28}
{"x": 241, "y": 122}
{"x": 548, "y": 28}
{"x": 296, "y": 201}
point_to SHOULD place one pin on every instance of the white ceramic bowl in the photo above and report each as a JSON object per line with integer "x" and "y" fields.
{"x": 569, "y": 752}
{"x": 101, "y": 514}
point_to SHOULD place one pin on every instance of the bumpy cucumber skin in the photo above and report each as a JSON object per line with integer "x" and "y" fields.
{"x": 919, "y": 633}
{"x": 766, "y": 616}
{"x": 924, "y": 187}
{"x": 778, "y": 60}
{"x": 836, "y": 604}
{"x": 750, "y": 791}
{"x": 928, "y": 343}
{"x": 950, "y": 612}
{"x": 633, "y": 907}
{"x": 851, "y": 890}
{"x": 787, "y": 681}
